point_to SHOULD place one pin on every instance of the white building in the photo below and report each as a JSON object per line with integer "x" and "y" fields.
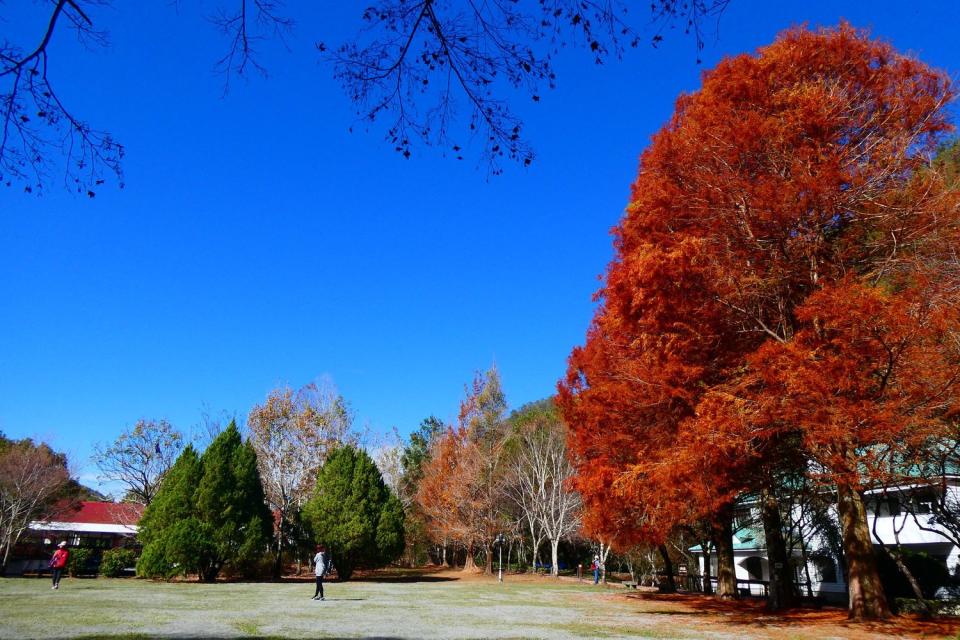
{"x": 903, "y": 514}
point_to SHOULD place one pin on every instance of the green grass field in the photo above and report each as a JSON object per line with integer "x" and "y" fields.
{"x": 427, "y": 607}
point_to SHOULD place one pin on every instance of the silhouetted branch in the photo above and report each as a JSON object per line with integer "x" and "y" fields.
{"x": 428, "y": 64}
{"x": 37, "y": 124}
{"x": 252, "y": 22}
{"x": 424, "y": 66}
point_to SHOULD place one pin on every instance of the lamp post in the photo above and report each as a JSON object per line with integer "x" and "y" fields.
{"x": 499, "y": 542}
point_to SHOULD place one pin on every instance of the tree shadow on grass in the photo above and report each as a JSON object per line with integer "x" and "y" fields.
{"x": 401, "y": 579}
{"x": 391, "y": 579}
{"x": 751, "y": 613}
{"x": 390, "y": 575}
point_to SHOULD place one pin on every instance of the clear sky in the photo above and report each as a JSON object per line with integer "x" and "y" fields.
{"x": 259, "y": 243}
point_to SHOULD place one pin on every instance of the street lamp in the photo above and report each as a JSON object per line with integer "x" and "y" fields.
{"x": 499, "y": 543}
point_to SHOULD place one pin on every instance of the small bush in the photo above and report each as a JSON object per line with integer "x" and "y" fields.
{"x": 940, "y": 607}
{"x": 78, "y": 561}
{"x": 115, "y": 561}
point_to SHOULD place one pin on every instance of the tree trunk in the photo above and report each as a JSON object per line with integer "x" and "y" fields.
{"x": 806, "y": 564}
{"x": 278, "y": 557}
{"x": 707, "y": 576}
{"x": 867, "y": 600}
{"x": 6, "y": 554}
{"x": 554, "y": 546}
{"x": 604, "y": 552}
{"x": 469, "y": 564}
{"x": 488, "y": 558}
{"x": 671, "y": 585}
{"x": 726, "y": 568}
{"x": 782, "y": 593}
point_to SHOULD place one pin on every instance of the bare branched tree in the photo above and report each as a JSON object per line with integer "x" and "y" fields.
{"x": 139, "y": 458}
{"x": 429, "y": 65}
{"x": 31, "y": 477}
{"x": 543, "y": 472}
{"x": 442, "y": 73}
{"x": 245, "y": 27}
{"x": 38, "y": 129}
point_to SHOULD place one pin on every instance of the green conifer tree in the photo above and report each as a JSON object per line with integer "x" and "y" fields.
{"x": 230, "y": 504}
{"x": 164, "y": 529}
{"x": 209, "y": 513}
{"x": 354, "y": 513}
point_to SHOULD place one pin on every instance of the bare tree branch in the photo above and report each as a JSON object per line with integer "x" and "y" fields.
{"x": 38, "y": 129}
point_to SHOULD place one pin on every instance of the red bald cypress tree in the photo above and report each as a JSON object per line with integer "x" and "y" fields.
{"x": 781, "y": 240}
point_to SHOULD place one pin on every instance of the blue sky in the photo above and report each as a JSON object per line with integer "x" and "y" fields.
{"x": 258, "y": 242}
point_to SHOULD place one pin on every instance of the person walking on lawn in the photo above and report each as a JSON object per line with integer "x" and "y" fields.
{"x": 58, "y": 563}
{"x": 322, "y": 566}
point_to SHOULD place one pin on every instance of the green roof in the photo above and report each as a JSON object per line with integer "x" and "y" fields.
{"x": 747, "y": 538}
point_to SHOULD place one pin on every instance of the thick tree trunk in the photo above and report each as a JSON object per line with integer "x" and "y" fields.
{"x": 867, "y": 600}
{"x": 782, "y": 592}
{"x": 671, "y": 585}
{"x": 469, "y": 564}
{"x": 554, "y": 547}
{"x": 209, "y": 573}
{"x": 707, "y": 569}
{"x": 726, "y": 569}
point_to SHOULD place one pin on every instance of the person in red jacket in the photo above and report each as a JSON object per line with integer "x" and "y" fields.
{"x": 58, "y": 563}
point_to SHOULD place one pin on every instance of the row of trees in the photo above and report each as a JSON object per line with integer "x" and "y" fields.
{"x": 296, "y": 478}
{"x": 782, "y": 307}
{"x": 212, "y": 511}
{"x": 491, "y": 475}
{"x": 453, "y": 488}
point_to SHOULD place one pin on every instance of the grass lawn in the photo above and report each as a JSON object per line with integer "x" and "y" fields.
{"x": 439, "y": 605}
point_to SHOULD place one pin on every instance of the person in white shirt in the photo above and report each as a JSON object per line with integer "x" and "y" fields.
{"x": 321, "y": 565}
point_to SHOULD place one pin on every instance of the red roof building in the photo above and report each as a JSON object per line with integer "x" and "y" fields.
{"x": 92, "y": 525}
{"x": 93, "y": 517}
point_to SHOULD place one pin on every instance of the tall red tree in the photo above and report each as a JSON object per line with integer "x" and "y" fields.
{"x": 795, "y": 179}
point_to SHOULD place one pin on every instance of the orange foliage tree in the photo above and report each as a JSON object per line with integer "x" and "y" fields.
{"x": 463, "y": 489}
{"x": 778, "y": 244}
{"x": 437, "y": 493}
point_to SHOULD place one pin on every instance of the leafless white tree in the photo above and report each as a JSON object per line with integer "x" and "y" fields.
{"x": 139, "y": 458}
{"x": 543, "y": 474}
